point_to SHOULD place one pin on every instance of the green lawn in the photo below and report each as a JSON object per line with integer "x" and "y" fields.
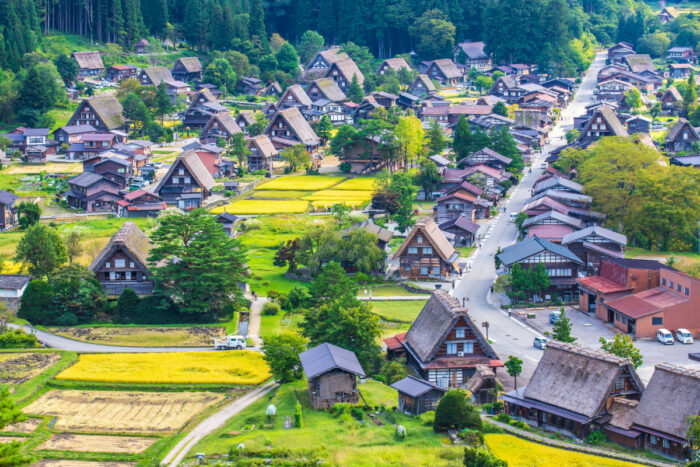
{"x": 341, "y": 441}
{"x": 464, "y": 251}
{"x": 398, "y": 311}
{"x": 278, "y": 324}
{"x": 389, "y": 291}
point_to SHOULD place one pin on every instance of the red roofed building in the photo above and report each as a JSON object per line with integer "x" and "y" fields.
{"x": 394, "y": 346}
{"x": 140, "y": 203}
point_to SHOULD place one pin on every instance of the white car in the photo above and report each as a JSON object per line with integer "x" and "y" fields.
{"x": 684, "y": 336}
{"x": 664, "y": 336}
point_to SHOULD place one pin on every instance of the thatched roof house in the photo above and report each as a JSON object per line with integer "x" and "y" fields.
{"x": 103, "y": 112}
{"x": 426, "y": 252}
{"x": 89, "y": 63}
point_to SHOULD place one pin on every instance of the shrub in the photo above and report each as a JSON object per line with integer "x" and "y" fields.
{"x": 35, "y": 305}
{"x": 16, "y": 338}
{"x": 520, "y": 424}
{"x": 128, "y": 303}
{"x": 596, "y": 437}
{"x": 480, "y": 457}
{"x": 394, "y": 371}
{"x": 456, "y": 411}
{"x": 472, "y": 437}
{"x": 299, "y": 296}
{"x": 345, "y": 167}
{"x": 298, "y": 422}
{"x": 491, "y": 428}
{"x": 498, "y": 406}
{"x": 340, "y": 409}
{"x": 67, "y": 319}
{"x": 504, "y": 418}
{"x": 357, "y": 413}
{"x": 270, "y": 309}
{"x": 427, "y": 418}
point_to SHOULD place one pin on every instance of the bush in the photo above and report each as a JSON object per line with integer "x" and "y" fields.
{"x": 520, "y": 424}
{"x": 67, "y": 319}
{"x": 596, "y": 437}
{"x": 270, "y": 309}
{"x": 36, "y": 303}
{"x": 472, "y": 437}
{"x": 491, "y": 428}
{"x": 394, "y": 371}
{"x": 357, "y": 413}
{"x": 481, "y": 457}
{"x": 299, "y": 296}
{"x": 128, "y": 303}
{"x": 498, "y": 406}
{"x": 16, "y": 338}
{"x": 345, "y": 167}
{"x": 298, "y": 422}
{"x": 504, "y": 418}
{"x": 456, "y": 411}
{"x": 427, "y": 418}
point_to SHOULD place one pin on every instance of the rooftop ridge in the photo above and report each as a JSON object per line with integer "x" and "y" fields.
{"x": 679, "y": 370}
{"x": 588, "y": 352}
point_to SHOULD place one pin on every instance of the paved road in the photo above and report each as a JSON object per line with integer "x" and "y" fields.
{"x": 510, "y": 336}
{"x": 178, "y": 453}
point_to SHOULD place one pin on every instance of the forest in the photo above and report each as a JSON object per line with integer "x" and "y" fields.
{"x": 549, "y": 32}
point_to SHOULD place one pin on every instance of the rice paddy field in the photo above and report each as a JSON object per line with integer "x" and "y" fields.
{"x": 248, "y": 206}
{"x": 121, "y": 411}
{"x": 97, "y": 443}
{"x": 301, "y": 183}
{"x": 51, "y": 167}
{"x": 230, "y": 368}
{"x": 18, "y": 367}
{"x": 170, "y": 336}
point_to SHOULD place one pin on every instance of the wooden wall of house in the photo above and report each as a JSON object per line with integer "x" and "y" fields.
{"x": 331, "y": 388}
{"x": 469, "y": 335}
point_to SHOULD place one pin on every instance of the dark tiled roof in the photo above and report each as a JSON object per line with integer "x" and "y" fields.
{"x": 13, "y": 281}
{"x": 531, "y": 246}
{"x": 327, "y": 357}
{"x": 7, "y": 198}
{"x": 415, "y": 387}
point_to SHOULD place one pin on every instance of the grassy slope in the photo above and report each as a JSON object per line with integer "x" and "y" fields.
{"x": 398, "y": 311}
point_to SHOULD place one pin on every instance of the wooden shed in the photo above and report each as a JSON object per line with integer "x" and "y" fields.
{"x": 332, "y": 374}
{"x": 417, "y": 396}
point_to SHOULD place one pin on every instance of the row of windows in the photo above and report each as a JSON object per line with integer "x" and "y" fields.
{"x": 454, "y": 348}
{"x": 678, "y": 286}
{"x": 654, "y": 440}
{"x": 119, "y": 263}
{"x": 564, "y": 272}
{"x": 413, "y": 250}
{"x": 545, "y": 257}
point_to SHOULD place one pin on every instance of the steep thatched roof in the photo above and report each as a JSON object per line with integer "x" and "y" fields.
{"x": 157, "y": 74}
{"x": 673, "y": 395}
{"x": 129, "y": 237}
{"x": 430, "y": 230}
{"x": 448, "y": 68}
{"x": 88, "y": 60}
{"x": 609, "y": 117}
{"x": 640, "y": 62}
{"x": 265, "y": 147}
{"x": 395, "y": 64}
{"x": 348, "y": 68}
{"x": 190, "y": 64}
{"x": 427, "y": 83}
{"x": 298, "y": 93}
{"x": 298, "y": 124}
{"x": 577, "y": 378}
{"x": 675, "y": 131}
{"x": 108, "y": 108}
{"x": 196, "y": 168}
{"x": 330, "y": 89}
{"x": 435, "y": 321}
{"x": 622, "y": 411}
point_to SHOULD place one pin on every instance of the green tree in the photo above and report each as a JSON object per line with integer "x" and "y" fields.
{"x": 136, "y": 112}
{"x": 282, "y": 355}
{"x": 36, "y": 303}
{"x": 462, "y": 141}
{"x": 297, "y": 157}
{"x": 286, "y": 255}
{"x": 127, "y": 303}
{"x": 394, "y": 371}
{"x": 310, "y": 44}
{"x": 483, "y": 83}
{"x": 622, "y": 346}
{"x": 409, "y": 138}
{"x": 690, "y": 97}
{"x": 455, "y": 411}
{"x": 654, "y": 44}
{"x": 287, "y": 59}
{"x": 572, "y": 135}
{"x": 481, "y": 457}
{"x": 503, "y": 143}
{"x": 500, "y": 109}
{"x": 72, "y": 239}
{"x": 435, "y": 139}
{"x": 633, "y": 98}
{"x": 561, "y": 330}
{"x": 344, "y": 139}
{"x": 401, "y": 183}
{"x": 324, "y": 129}
{"x": 333, "y": 285}
{"x": 220, "y": 73}
{"x": 11, "y": 453}
{"x": 433, "y": 34}
{"x": 428, "y": 178}
{"x": 514, "y": 366}
{"x": 163, "y": 104}
{"x": 355, "y": 93}
{"x": 42, "y": 249}
{"x": 519, "y": 223}
{"x": 29, "y": 214}
{"x": 67, "y": 68}
{"x": 238, "y": 148}
{"x": 195, "y": 263}
{"x": 77, "y": 295}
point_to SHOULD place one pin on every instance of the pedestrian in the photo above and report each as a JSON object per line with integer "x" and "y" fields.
{"x": 464, "y": 302}
{"x": 453, "y": 283}
{"x": 365, "y": 293}
{"x": 370, "y": 295}
{"x": 255, "y": 297}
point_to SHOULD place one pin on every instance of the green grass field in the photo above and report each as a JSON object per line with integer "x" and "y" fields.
{"x": 398, "y": 311}
{"x": 389, "y": 291}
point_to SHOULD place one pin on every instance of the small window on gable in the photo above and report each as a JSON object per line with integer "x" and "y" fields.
{"x": 119, "y": 263}
{"x": 419, "y": 238}
{"x": 131, "y": 264}
{"x": 663, "y": 281}
{"x": 108, "y": 265}
{"x": 459, "y": 333}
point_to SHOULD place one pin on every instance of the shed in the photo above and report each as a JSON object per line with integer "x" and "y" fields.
{"x": 417, "y": 396}
{"x": 332, "y": 374}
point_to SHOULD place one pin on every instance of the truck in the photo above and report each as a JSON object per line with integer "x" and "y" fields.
{"x": 229, "y": 343}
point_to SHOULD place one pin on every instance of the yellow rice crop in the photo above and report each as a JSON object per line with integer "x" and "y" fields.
{"x": 520, "y": 453}
{"x": 330, "y": 195}
{"x": 51, "y": 167}
{"x": 357, "y": 203}
{"x": 248, "y": 206}
{"x": 301, "y": 183}
{"x": 233, "y": 367}
{"x": 362, "y": 183}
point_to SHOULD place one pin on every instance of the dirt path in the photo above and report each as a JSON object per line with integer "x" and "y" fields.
{"x": 213, "y": 422}
{"x": 254, "y": 321}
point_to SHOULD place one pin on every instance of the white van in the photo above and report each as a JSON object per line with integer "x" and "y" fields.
{"x": 664, "y": 336}
{"x": 684, "y": 336}
{"x": 512, "y": 216}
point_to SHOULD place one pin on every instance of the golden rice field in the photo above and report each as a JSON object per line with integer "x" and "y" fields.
{"x": 280, "y": 194}
{"x": 235, "y": 367}
{"x": 255, "y": 206}
{"x": 351, "y": 203}
{"x": 121, "y": 411}
{"x": 301, "y": 183}
{"x": 51, "y": 167}
{"x": 362, "y": 184}
{"x": 520, "y": 453}
{"x": 339, "y": 195}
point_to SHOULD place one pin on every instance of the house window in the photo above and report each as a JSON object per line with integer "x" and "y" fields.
{"x": 459, "y": 333}
{"x": 128, "y": 275}
{"x": 412, "y": 250}
{"x": 419, "y": 239}
{"x": 663, "y": 281}
{"x": 468, "y": 347}
{"x": 624, "y": 320}
{"x": 687, "y": 291}
{"x": 436, "y": 270}
{"x": 181, "y": 172}
{"x": 427, "y": 250}
{"x": 108, "y": 265}
{"x": 187, "y": 180}
{"x": 119, "y": 263}
{"x": 664, "y": 443}
{"x": 670, "y": 285}
{"x": 620, "y": 384}
{"x": 652, "y": 439}
{"x": 678, "y": 287}
{"x": 617, "y": 316}
{"x": 658, "y": 321}
{"x": 131, "y": 264}
{"x": 424, "y": 270}
{"x": 451, "y": 349}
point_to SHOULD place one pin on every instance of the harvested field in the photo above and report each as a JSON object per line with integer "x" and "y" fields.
{"x": 95, "y": 443}
{"x": 10, "y": 439}
{"x": 51, "y": 167}
{"x": 27, "y": 426}
{"x": 193, "y": 336}
{"x": 241, "y": 367}
{"x": 121, "y": 412}
{"x": 66, "y": 463}
{"x": 301, "y": 183}
{"x": 16, "y": 368}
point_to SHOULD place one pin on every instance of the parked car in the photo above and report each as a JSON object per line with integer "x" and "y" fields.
{"x": 541, "y": 343}
{"x": 543, "y": 165}
{"x": 684, "y": 336}
{"x": 513, "y": 215}
{"x": 554, "y": 316}
{"x": 664, "y": 336}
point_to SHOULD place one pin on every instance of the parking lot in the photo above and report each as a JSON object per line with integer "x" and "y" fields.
{"x": 588, "y": 330}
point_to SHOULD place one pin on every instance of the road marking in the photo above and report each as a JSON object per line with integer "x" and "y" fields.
{"x": 531, "y": 359}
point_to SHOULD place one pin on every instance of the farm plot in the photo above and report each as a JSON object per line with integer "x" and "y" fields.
{"x": 16, "y": 368}
{"x": 27, "y": 426}
{"x": 361, "y": 183}
{"x": 251, "y": 206}
{"x": 190, "y": 336}
{"x": 234, "y": 368}
{"x": 348, "y": 197}
{"x": 52, "y": 167}
{"x": 97, "y": 443}
{"x": 121, "y": 412}
{"x": 301, "y": 183}
{"x": 11, "y": 439}
{"x": 67, "y": 463}
{"x": 279, "y": 194}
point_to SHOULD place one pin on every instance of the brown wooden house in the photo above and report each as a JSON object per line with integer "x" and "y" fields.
{"x": 103, "y": 112}
{"x": 92, "y": 192}
{"x": 343, "y": 72}
{"x": 394, "y": 64}
{"x": 262, "y": 153}
{"x": 118, "y": 73}
{"x": 594, "y": 243}
{"x": 220, "y": 126}
{"x": 294, "y": 96}
{"x": 572, "y": 390}
{"x": 89, "y": 64}
{"x": 453, "y": 206}
{"x": 671, "y": 101}
{"x": 421, "y": 86}
{"x": 123, "y": 262}
{"x": 188, "y": 182}
{"x": 8, "y": 211}
{"x": 325, "y": 88}
{"x": 417, "y": 396}
{"x": 487, "y": 157}
{"x": 682, "y": 137}
{"x": 331, "y": 373}
{"x": 426, "y": 253}
{"x": 187, "y": 69}
{"x": 671, "y": 397}
{"x": 445, "y": 72}
{"x": 140, "y": 203}
{"x": 444, "y": 346}
{"x": 288, "y": 128}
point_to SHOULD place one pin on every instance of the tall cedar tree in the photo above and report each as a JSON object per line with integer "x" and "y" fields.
{"x": 195, "y": 263}
{"x": 462, "y": 141}
{"x": 561, "y": 330}
{"x": 355, "y": 93}
{"x": 436, "y": 141}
